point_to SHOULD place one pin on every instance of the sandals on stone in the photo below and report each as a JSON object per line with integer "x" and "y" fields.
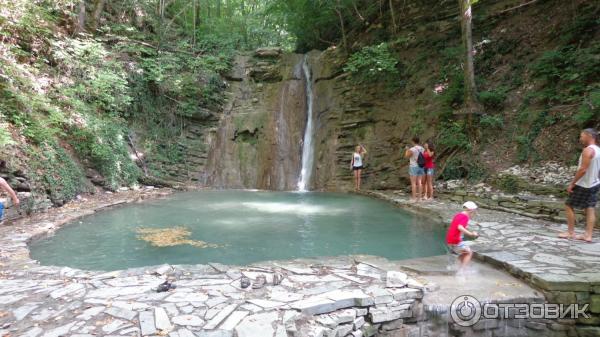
{"x": 260, "y": 282}
{"x": 277, "y": 278}
{"x": 165, "y": 286}
{"x": 244, "y": 282}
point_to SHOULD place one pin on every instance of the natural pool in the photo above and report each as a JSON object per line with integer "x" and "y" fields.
{"x": 241, "y": 227}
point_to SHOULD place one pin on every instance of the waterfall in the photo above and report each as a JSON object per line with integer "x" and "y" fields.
{"x": 307, "y": 144}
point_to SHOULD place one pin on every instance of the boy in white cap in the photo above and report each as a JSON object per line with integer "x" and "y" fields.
{"x": 458, "y": 228}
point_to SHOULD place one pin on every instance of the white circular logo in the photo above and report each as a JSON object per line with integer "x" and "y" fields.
{"x": 465, "y": 310}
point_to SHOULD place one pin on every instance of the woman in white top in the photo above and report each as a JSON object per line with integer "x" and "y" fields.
{"x": 356, "y": 165}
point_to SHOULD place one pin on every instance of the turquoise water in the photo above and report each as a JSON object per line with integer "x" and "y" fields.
{"x": 248, "y": 226}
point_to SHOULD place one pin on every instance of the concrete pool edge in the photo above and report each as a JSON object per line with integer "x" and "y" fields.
{"x": 14, "y": 242}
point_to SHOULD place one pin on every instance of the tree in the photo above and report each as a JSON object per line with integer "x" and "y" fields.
{"x": 471, "y": 104}
{"x": 80, "y": 25}
{"x": 338, "y": 9}
{"x": 98, "y": 9}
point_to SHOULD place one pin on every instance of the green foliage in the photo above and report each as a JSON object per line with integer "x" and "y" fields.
{"x": 491, "y": 122}
{"x": 452, "y": 74}
{"x": 464, "y": 168}
{"x": 493, "y": 99}
{"x": 100, "y": 83}
{"x": 581, "y": 26}
{"x": 454, "y": 135}
{"x": 589, "y": 110}
{"x": 567, "y": 73}
{"x": 103, "y": 143}
{"x": 508, "y": 183}
{"x": 61, "y": 176}
{"x": 417, "y": 126}
{"x": 5, "y": 136}
{"x": 310, "y": 22}
{"x": 532, "y": 124}
{"x": 373, "y": 63}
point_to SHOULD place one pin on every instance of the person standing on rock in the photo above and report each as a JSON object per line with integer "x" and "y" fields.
{"x": 356, "y": 165}
{"x": 415, "y": 170}
{"x": 583, "y": 190}
{"x": 456, "y": 231}
{"x": 428, "y": 154}
{"x": 6, "y": 187}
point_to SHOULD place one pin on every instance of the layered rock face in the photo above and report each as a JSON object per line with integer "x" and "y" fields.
{"x": 258, "y": 142}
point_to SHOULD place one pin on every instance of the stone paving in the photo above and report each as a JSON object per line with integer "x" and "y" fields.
{"x": 325, "y": 297}
{"x": 335, "y": 298}
{"x": 567, "y": 271}
{"x": 346, "y": 296}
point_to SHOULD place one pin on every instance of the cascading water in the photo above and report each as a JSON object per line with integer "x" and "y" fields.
{"x": 307, "y": 144}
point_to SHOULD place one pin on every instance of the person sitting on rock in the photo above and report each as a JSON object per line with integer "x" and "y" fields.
{"x": 6, "y": 187}
{"x": 458, "y": 228}
{"x": 583, "y": 190}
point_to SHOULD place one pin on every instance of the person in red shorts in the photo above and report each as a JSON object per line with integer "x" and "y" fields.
{"x": 458, "y": 228}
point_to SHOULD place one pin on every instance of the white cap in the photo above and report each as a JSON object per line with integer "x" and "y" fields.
{"x": 471, "y": 206}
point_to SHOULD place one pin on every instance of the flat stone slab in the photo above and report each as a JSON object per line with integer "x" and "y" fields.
{"x": 434, "y": 265}
{"x": 257, "y": 325}
{"x": 215, "y": 321}
{"x": 188, "y": 320}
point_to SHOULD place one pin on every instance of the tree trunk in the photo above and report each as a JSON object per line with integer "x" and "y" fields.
{"x": 245, "y": 22}
{"x": 394, "y": 25}
{"x": 218, "y": 8}
{"x": 80, "y": 26}
{"x": 139, "y": 15}
{"x": 194, "y": 5}
{"x": 98, "y": 8}
{"x": 338, "y": 10}
{"x": 198, "y": 14}
{"x": 468, "y": 66}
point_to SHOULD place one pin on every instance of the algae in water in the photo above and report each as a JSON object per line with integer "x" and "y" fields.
{"x": 168, "y": 237}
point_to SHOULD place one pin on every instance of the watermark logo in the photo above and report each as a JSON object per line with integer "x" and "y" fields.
{"x": 466, "y": 311}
